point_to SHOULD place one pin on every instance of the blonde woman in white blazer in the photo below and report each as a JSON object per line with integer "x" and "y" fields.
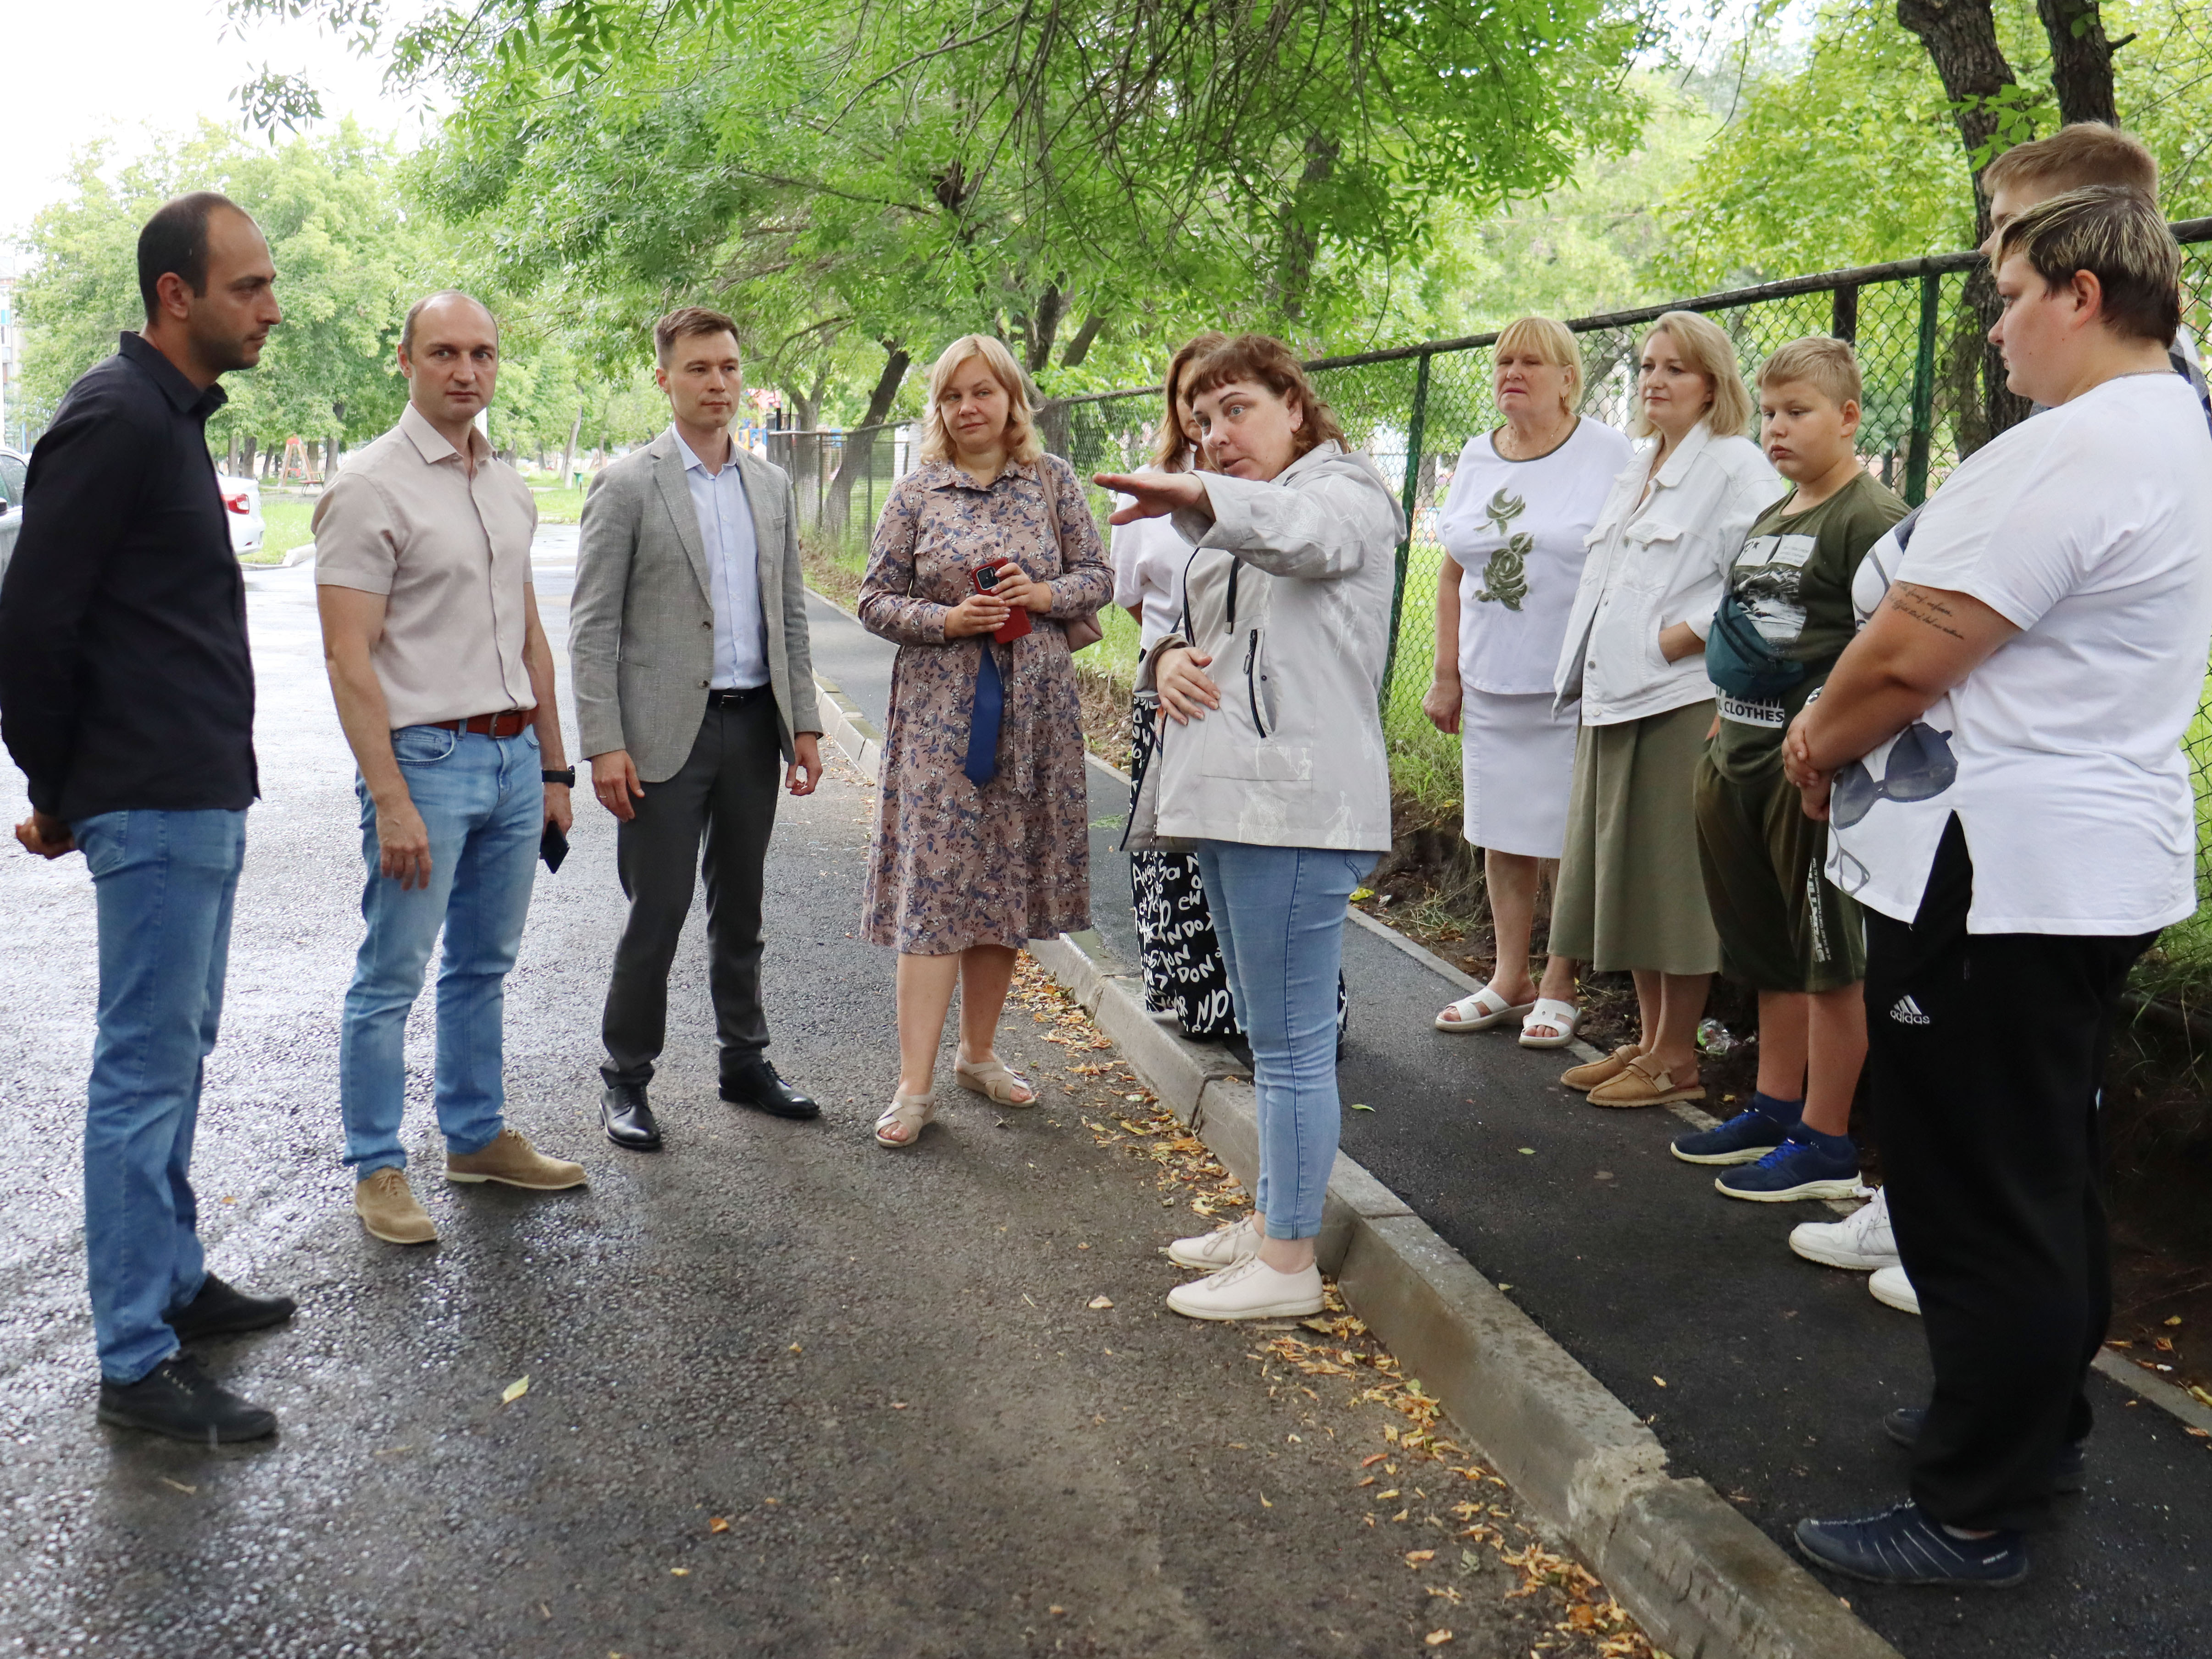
{"x": 1631, "y": 894}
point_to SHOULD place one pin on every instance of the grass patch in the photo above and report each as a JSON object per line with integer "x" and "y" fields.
{"x": 558, "y": 506}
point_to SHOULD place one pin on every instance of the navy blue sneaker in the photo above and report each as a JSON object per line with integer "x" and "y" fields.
{"x": 1745, "y": 1137}
{"x": 1904, "y": 1545}
{"x": 1795, "y": 1169}
{"x": 2067, "y": 1467}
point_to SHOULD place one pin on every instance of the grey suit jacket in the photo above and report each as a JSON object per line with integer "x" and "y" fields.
{"x": 642, "y": 622}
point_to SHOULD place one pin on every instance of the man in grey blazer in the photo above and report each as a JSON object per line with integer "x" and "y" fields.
{"x": 687, "y": 633}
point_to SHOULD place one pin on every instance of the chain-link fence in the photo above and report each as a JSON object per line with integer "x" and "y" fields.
{"x": 1921, "y": 350}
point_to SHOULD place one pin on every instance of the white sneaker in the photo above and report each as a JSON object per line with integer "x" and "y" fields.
{"x": 1893, "y": 1290}
{"x": 1862, "y": 1241}
{"x": 1224, "y": 1247}
{"x": 1251, "y": 1290}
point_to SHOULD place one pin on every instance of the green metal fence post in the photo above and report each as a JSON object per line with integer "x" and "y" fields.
{"x": 1924, "y": 392}
{"x": 1413, "y": 435}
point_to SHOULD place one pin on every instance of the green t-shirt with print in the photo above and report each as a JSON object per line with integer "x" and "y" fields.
{"x": 1793, "y": 578}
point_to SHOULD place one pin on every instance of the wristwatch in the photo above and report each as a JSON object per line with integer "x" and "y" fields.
{"x": 566, "y": 776}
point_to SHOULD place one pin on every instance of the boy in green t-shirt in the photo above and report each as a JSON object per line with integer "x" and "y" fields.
{"x": 1785, "y": 930}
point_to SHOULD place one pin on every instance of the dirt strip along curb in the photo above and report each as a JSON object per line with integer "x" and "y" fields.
{"x": 1703, "y": 1581}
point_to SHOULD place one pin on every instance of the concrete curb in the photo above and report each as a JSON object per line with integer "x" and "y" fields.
{"x": 1703, "y": 1582}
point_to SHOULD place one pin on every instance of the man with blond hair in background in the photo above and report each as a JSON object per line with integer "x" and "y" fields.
{"x": 444, "y": 684}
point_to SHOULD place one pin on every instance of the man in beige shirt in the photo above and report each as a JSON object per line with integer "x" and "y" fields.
{"x": 444, "y": 684}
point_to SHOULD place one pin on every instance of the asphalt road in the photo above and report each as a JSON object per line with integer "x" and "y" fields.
{"x": 882, "y": 1369}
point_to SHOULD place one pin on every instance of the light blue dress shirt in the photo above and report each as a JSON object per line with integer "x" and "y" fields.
{"x": 726, "y": 530}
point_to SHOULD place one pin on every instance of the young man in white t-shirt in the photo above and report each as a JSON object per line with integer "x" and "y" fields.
{"x": 1998, "y": 757}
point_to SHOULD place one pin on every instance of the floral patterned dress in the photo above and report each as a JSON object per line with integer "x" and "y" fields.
{"x": 954, "y": 865}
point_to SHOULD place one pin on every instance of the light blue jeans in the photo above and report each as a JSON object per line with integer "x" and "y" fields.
{"x": 483, "y": 803}
{"x": 1278, "y": 912}
{"x": 163, "y": 883}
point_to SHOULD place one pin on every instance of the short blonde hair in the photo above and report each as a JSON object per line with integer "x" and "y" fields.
{"x": 2079, "y": 154}
{"x": 1708, "y": 349}
{"x": 2118, "y": 237}
{"x": 1022, "y": 443}
{"x": 1829, "y": 366}
{"x": 1551, "y": 341}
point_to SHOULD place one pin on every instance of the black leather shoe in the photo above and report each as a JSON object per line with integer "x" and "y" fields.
{"x": 627, "y": 1120}
{"x": 180, "y": 1399}
{"x": 221, "y": 1310}
{"x": 2068, "y": 1467}
{"x": 754, "y": 1083}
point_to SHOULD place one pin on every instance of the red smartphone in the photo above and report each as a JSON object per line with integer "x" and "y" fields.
{"x": 1016, "y": 625}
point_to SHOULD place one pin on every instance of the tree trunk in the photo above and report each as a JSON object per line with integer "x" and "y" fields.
{"x": 1080, "y": 347}
{"x": 246, "y": 453}
{"x": 1301, "y": 242}
{"x": 861, "y": 444}
{"x": 568, "y": 454}
{"x": 2081, "y": 60}
{"x": 1044, "y": 328}
{"x": 1961, "y": 38}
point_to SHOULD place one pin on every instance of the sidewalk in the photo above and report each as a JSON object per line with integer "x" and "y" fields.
{"x": 1776, "y": 1372}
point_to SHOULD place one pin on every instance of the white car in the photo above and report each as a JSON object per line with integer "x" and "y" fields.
{"x": 243, "y": 497}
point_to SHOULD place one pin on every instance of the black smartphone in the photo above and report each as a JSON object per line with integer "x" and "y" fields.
{"x": 553, "y": 845}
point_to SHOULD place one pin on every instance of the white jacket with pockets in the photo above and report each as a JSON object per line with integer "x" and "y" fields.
{"x": 1288, "y": 591}
{"x": 1654, "y": 563}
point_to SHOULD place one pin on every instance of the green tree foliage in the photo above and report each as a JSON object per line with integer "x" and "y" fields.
{"x": 1086, "y": 179}
{"x": 1847, "y": 153}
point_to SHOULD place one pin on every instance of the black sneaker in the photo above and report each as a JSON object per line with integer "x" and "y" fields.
{"x": 221, "y": 1310}
{"x": 2067, "y": 1469}
{"x": 180, "y": 1399}
{"x": 1905, "y": 1546}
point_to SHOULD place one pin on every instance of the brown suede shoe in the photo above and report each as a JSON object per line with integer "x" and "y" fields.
{"x": 386, "y": 1206}
{"x": 1589, "y": 1075}
{"x": 1644, "y": 1082}
{"x": 513, "y": 1161}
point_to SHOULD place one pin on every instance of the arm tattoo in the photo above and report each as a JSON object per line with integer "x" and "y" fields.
{"x": 1922, "y": 606}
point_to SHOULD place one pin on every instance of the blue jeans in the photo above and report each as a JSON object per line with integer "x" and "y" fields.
{"x": 1278, "y": 912}
{"x": 483, "y": 803}
{"x": 163, "y": 883}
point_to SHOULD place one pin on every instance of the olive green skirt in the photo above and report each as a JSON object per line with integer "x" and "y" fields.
{"x": 1632, "y": 892}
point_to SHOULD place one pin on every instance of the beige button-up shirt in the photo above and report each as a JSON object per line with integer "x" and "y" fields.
{"x": 450, "y": 555}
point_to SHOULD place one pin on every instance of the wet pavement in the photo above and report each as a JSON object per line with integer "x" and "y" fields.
{"x": 882, "y": 1369}
{"x": 1763, "y": 1374}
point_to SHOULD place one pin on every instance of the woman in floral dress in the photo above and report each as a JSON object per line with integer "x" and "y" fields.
{"x": 982, "y": 837}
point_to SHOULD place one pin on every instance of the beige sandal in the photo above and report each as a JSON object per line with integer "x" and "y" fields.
{"x": 990, "y": 1077}
{"x": 1593, "y": 1072}
{"x": 1644, "y": 1082}
{"x": 911, "y": 1113}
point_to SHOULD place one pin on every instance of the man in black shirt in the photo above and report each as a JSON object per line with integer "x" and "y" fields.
{"x": 126, "y": 696}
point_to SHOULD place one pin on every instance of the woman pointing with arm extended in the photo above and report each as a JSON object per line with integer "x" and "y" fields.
{"x": 1270, "y": 767}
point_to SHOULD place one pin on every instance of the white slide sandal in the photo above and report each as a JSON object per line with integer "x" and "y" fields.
{"x": 1561, "y": 1017}
{"x": 1481, "y": 1011}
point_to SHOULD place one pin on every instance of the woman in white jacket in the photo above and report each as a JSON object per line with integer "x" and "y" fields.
{"x": 1272, "y": 768}
{"x": 1631, "y": 894}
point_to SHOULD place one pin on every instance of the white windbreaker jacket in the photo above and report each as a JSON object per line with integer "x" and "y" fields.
{"x": 1655, "y": 564}
{"x": 1288, "y": 590}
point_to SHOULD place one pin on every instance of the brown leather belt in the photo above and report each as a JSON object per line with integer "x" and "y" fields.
{"x": 509, "y": 723}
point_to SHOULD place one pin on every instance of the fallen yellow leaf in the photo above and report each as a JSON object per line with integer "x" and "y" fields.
{"x": 679, "y": 1573}
{"x": 717, "y": 1524}
{"x": 1099, "y": 1302}
{"x": 1660, "y": 1381}
{"x": 1415, "y": 1558}
{"x": 514, "y": 1391}
{"x": 1057, "y": 1612}
{"x": 2176, "y": 1320}
{"x": 187, "y": 1490}
{"x": 1437, "y": 1638}
{"x": 1264, "y": 1504}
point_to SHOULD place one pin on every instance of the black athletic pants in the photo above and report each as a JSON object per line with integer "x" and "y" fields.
{"x": 1986, "y": 1055}
{"x": 717, "y": 811}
